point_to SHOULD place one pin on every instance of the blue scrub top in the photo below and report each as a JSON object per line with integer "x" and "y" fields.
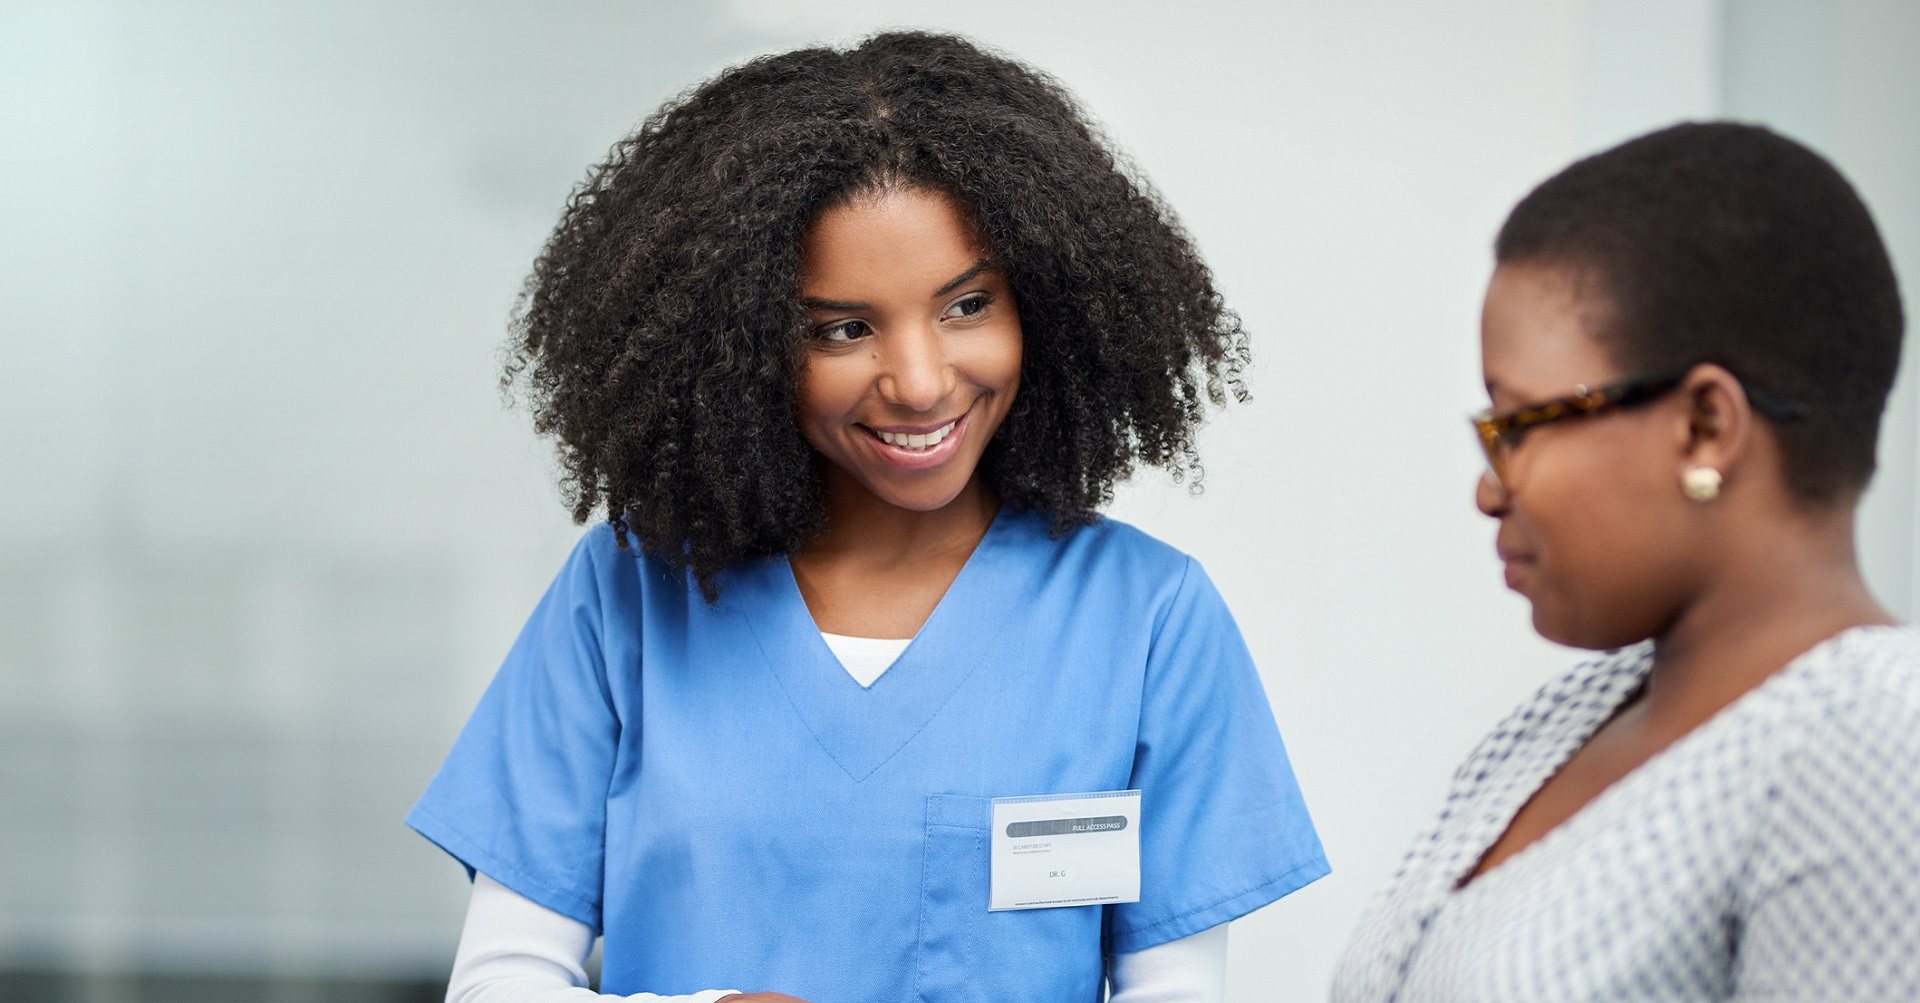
{"x": 707, "y": 786}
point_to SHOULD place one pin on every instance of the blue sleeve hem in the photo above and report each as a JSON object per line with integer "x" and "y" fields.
{"x": 473, "y": 857}
{"x": 1213, "y": 914}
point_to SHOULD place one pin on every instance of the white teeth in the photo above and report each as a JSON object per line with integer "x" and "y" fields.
{"x": 917, "y": 442}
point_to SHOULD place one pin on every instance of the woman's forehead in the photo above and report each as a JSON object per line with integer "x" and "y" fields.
{"x": 1538, "y": 332}
{"x": 913, "y": 239}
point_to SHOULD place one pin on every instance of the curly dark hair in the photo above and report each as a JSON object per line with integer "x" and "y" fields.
{"x": 660, "y": 336}
{"x": 1728, "y": 243}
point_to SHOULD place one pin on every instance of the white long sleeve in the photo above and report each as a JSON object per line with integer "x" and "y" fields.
{"x": 514, "y": 950}
{"x": 1192, "y": 969}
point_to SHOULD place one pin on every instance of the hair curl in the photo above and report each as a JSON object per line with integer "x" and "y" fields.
{"x": 660, "y": 337}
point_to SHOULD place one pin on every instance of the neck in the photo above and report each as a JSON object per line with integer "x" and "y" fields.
{"x": 864, "y": 528}
{"x": 1774, "y": 595}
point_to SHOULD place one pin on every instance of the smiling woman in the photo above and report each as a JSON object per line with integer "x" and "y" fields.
{"x": 665, "y": 323}
{"x": 856, "y": 343}
{"x": 915, "y": 358}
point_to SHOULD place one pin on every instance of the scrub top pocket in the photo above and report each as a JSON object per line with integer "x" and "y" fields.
{"x": 968, "y": 955}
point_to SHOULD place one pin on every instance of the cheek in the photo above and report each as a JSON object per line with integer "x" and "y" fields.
{"x": 995, "y": 362}
{"x": 1607, "y": 557}
{"x": 828, "y": 390}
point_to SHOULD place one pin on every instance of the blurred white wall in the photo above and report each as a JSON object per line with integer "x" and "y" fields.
{"x": 266, "y": 530}
{"x": 1841, "y": 76}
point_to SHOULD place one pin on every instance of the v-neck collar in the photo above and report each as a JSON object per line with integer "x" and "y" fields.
{"x": 1621, "y": 685}
{"x": 1615, "y": 683}
{"x": 861, "y": 728}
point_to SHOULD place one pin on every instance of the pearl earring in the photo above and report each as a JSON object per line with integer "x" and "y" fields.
{"x": 1702, "y": 484}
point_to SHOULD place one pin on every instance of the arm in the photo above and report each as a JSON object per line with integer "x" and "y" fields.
{"x": 1840, "y": 931}
{"x": 1192, "y": 969}
{"x": 513, "y": 950}
{"x": 1223, "y": 829}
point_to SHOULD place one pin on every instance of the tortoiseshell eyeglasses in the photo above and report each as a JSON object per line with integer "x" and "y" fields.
{"x": 1500, "y": 433}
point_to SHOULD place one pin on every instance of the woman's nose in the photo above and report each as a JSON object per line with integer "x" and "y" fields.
{"x": 915, "y": 373}
{"x": 1488, "y": 495}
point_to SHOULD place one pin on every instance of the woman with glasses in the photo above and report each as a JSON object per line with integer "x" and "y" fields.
{"x": 1688, "y": 341}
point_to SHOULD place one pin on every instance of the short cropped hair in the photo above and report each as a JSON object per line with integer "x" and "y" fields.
{"x": 1728, "y": 243}
{"x": 660, "y": 336}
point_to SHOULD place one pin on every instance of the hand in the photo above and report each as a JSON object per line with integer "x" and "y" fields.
{"x": 761, "y": 998}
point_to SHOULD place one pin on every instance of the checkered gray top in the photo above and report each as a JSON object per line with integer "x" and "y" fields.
{"x": 1772, "y": 853}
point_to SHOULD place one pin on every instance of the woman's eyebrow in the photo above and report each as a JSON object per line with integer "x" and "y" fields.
{"x": 816, "y": 303}
{"x": 963, "y": 278}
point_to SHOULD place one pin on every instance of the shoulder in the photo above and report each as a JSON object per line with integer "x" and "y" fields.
{"x": 1111, "y": 561}
{"x": 1852, "y": 707}
{"x": 1107, "y": 546}
{"x": 1836, "y": 749}
{"x": 1114, "y": 572}
{"x": 1868, "y": 677}
{"x": 1103, "y": 556}
{"x": 620, "y": 580}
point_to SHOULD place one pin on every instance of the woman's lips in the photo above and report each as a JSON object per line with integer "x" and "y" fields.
{"x": 1516, "y": 561}
{"x": 1516, "y": 567}
{"x": 918, "y": 447}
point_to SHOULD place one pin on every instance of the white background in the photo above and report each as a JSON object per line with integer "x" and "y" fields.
{"x": 265, "y": 528}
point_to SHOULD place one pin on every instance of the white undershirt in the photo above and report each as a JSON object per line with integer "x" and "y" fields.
{"x": 865, "y": 658}
{"x": 515, "y": 950}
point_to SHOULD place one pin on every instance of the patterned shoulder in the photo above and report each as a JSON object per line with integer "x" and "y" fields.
{"x": 1864, "y": 685}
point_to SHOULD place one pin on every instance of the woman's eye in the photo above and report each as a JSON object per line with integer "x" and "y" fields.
{"x": 971, "y": 306}
{"x": 846, "y": 330}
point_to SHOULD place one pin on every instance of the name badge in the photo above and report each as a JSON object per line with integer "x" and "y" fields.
{"x": 1055, "y": 850}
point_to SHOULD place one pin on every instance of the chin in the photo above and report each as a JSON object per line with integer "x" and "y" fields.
{"x": 918, "y": 498}
{"x": 1588, "y": 632}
